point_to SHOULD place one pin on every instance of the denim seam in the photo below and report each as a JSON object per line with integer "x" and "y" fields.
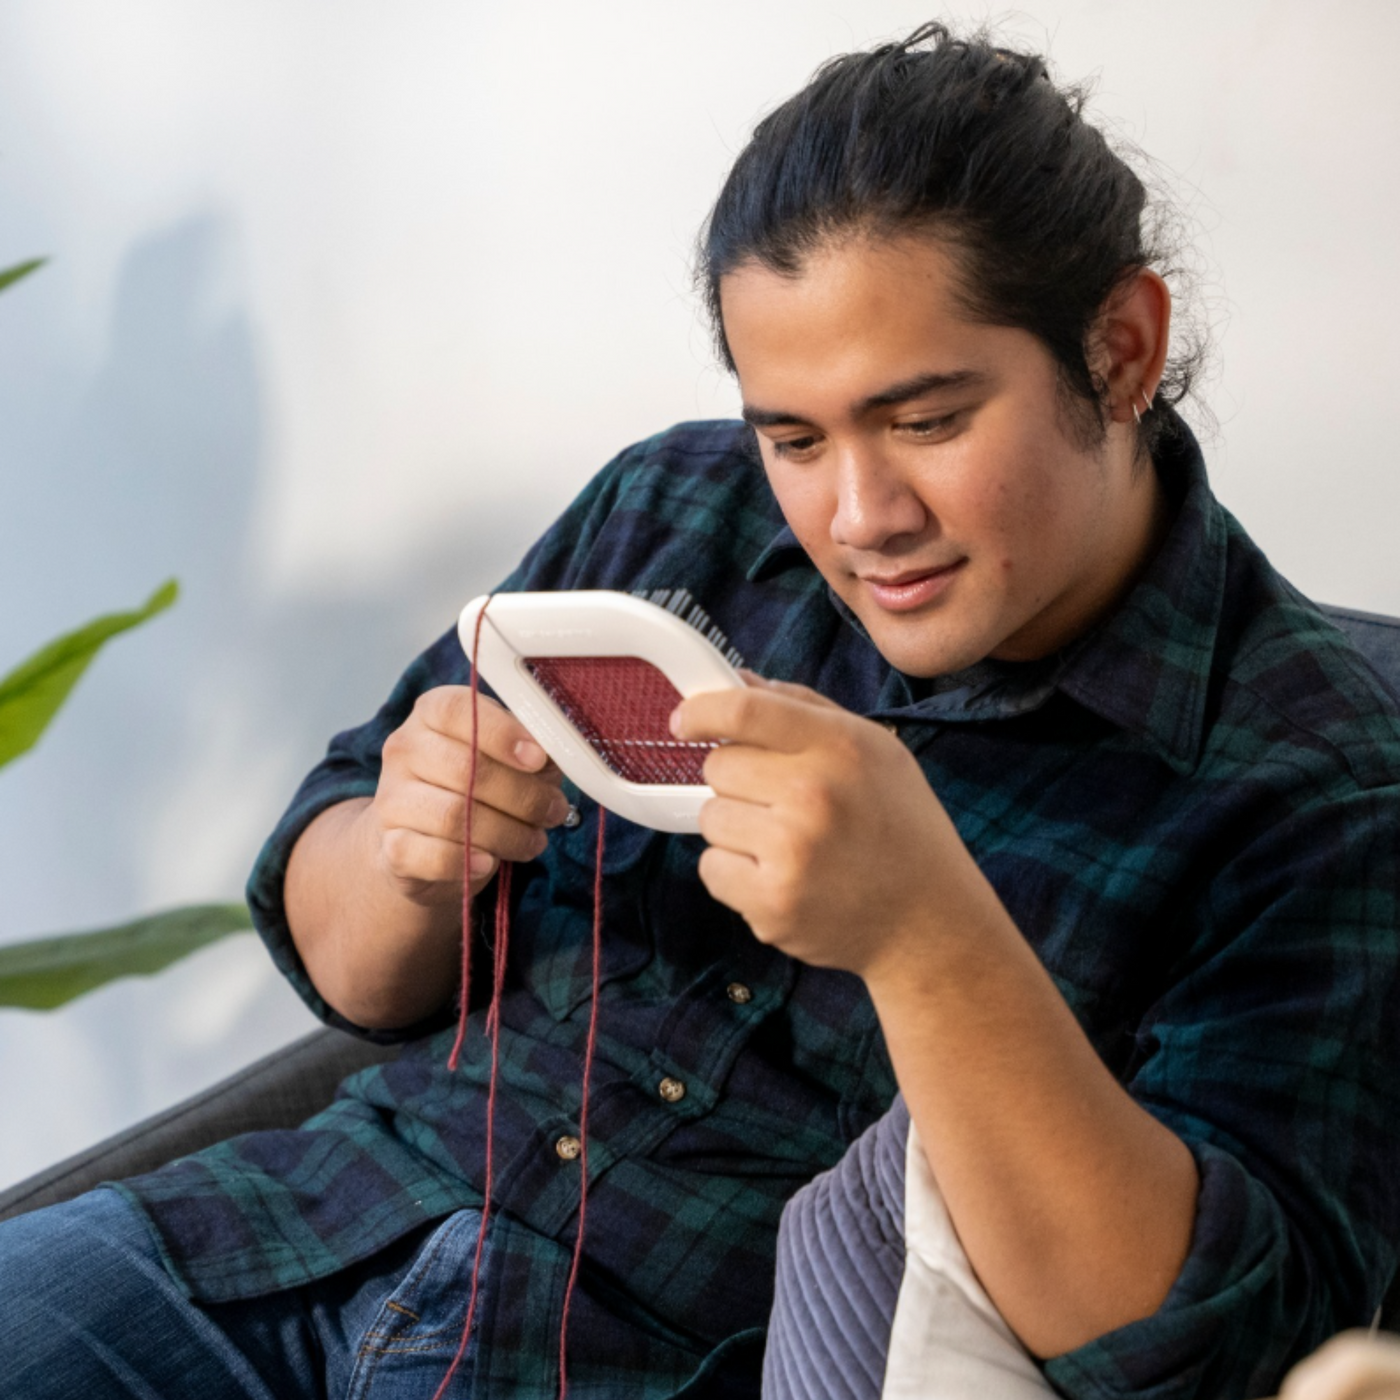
{"x": 369, "y": 1356}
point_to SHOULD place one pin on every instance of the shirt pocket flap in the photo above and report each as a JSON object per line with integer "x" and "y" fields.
{"x": 555, "y": 920}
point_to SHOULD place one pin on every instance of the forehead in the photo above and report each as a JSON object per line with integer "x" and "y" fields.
{"x": 860, "y": 315}
{"x": 845, "y": 280}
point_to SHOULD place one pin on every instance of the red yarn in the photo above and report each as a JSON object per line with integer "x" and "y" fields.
{"x": 464, "y": 1002}
{"x": 455, "y": 1055}
{"x": 493, "y": 1028}
{"x": 622, "y": 705}
{"x": 583, "y": 1104}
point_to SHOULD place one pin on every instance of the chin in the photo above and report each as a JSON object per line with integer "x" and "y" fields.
{"x": 926, "y": 658}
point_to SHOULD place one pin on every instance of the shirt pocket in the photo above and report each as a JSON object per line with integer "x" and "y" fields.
{"x": 553, "y": 938}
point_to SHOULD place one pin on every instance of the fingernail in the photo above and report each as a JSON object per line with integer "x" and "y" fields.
{"x": 482, "y": 863}
{"x": 530, "y": 754}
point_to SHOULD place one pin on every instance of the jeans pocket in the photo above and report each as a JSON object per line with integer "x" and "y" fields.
{"x": 410, "y": 1345}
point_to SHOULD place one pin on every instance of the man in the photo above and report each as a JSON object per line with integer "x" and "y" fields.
{"x": 1055, "y": 808}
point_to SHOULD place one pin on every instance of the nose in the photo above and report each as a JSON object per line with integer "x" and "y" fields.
{"x": 874, "y": 504}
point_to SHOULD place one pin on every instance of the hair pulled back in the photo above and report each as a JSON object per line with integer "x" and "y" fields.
{"x": 969, "y": 143}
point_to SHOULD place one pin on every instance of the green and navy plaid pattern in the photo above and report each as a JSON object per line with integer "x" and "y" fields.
{"x": 1194, "y": 816}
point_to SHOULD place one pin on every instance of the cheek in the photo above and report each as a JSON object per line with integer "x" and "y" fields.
{"x": 806, "y": 505}
{"x": 1024, "y": 520}
{"x": 1015, "y": 516}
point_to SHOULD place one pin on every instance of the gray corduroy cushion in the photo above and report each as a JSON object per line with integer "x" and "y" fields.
{"x": 840, "y": 1263}
{"x": 1377, "y": 637}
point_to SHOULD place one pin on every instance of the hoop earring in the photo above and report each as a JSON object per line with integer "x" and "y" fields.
{"x": 1137, "y": 417}
{"x": 1146, "y": 400}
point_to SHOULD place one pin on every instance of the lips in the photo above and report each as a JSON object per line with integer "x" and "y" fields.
{"x": 911, "y": 589}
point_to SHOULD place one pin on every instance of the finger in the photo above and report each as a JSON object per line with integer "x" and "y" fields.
{"x": 506, "y": 838}
{"x": 438, "y": 761}
{"x": 415, "y": 857}
{"x": 760, "y": 715}
{"x": 437, "y": 814}
{"x": 529, "y": 798}
{"x": 731, "y": 878}
{"x": 1352, "y": 1366}
{"x": 448, "y": 709}
{"x": 748, "y": 774}
{"x": 739, "y": 827}
{"x": 433, "y": 864}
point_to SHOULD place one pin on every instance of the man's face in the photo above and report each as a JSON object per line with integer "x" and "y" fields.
{"x": 923, "y": 462}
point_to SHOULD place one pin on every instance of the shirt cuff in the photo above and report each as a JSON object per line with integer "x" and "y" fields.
{"x": 1244, "y": 1307}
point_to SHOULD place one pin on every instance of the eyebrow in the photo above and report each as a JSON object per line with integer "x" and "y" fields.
{"x": 901, "y": 392}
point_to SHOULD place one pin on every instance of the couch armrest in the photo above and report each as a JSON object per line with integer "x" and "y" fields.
{"x": 279, "y": 1091}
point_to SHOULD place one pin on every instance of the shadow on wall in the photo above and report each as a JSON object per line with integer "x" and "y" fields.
{"x": 180, "y": 749}
{"x": 147, "y": 471}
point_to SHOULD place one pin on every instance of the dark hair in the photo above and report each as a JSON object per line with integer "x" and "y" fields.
{"x": 973, "y": 144}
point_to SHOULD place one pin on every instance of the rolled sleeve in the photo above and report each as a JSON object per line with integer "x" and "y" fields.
{"x": 1272, "y": 1055}
{"x": 1233, "y": 1286}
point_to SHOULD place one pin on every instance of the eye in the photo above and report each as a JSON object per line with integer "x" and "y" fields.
{"x": 794, "y": 448}
{"x": 938, "y": 427}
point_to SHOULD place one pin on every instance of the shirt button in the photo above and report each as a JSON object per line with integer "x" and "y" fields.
{"x": 672, "y": 1090}
{"x": 568, "y": 1148}
{"x": 739, "y": 994}
{"x": 573, "y": 819}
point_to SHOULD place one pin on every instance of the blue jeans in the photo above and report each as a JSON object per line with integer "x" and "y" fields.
{"x": 87, "y": 1309}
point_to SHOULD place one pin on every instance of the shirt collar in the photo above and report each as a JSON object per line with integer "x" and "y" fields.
{"x": 1147, "y": 667}
{"x": 779, "y": 553}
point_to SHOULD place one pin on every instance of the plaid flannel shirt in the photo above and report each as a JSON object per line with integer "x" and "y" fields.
{"x": 1193, "y": 814}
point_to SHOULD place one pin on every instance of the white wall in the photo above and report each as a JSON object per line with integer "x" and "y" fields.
{"x": 348, "y": 298}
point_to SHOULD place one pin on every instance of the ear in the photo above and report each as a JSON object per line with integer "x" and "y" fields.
{"x": 1130, "y": 343}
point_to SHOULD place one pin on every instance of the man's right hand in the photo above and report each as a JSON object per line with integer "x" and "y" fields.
{"x": 374, "y": 885}
{"x": 419, "y": 810}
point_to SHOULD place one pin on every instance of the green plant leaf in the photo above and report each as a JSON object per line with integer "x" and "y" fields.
{"x": 11, "y": 275}
{"x": 47, "y": 972}
{"x": 32, "y": 693}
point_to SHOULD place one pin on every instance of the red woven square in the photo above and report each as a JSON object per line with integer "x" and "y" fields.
{"x": 621, "y": 705}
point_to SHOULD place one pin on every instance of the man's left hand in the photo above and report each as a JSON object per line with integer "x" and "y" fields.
{"x": 823, "y": 832}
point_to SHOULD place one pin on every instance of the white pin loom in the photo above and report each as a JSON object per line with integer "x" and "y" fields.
{"x": 594, "y": 676}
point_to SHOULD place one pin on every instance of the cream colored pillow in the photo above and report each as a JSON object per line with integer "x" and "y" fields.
{"x": 948, "y": 1341}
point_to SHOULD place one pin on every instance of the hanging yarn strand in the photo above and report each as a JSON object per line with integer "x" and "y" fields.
{"x": 492, "y": 1028}
{"x": 589, "y": 1047}
{"x": 502, "y": 921}
{"x": 465, "y": 989}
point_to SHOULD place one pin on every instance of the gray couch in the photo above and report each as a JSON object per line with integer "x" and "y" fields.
{"x": 290, "y": 1085}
